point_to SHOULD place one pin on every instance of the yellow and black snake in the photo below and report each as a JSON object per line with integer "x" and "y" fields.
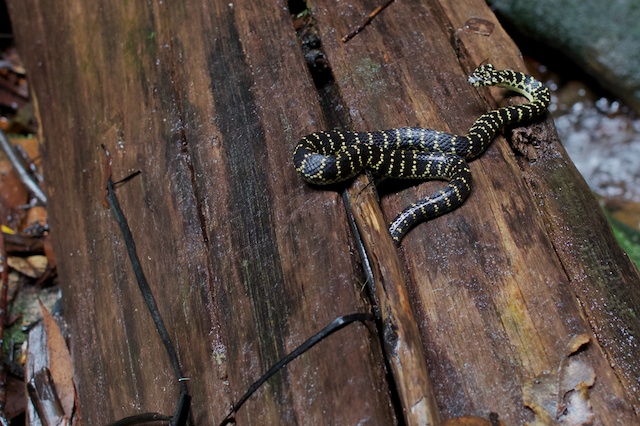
{"x": 327, "y": 157}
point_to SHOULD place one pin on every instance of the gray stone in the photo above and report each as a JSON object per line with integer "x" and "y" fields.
{"x": 603, "y": 37}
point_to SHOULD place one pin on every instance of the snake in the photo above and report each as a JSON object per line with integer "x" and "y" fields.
{"x": 329, "y": 157}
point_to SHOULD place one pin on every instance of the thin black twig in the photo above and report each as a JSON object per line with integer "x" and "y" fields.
{"x": 139, "y": 419}
{"x": 367, "y": 21}
{"x": 182, "y": 410}
{"x": 334, "y": 326}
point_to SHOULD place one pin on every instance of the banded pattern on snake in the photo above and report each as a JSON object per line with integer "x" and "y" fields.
{"x": 327, "y": 157}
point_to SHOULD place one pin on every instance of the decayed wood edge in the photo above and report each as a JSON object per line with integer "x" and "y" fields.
{"x": 597, "y": 267}
{"x": 400, "y": 335}
{"x": 548, "y": 166}
{"x": 506, "y": 54}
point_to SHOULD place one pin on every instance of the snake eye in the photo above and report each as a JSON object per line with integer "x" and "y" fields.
{"x": 483, "y": 75}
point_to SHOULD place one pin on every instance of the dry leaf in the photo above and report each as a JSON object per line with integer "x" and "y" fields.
{"x": 59, "y": 362}
{"x": 13, "y": 193}
{"x": 32, "y": 266}
{"x": 577, "y": 342}
{"x": 562, "y": 397}
{"x": 36, "y": 214}
{"x": 471, "y": 421}
{"x": 479, "y": 26}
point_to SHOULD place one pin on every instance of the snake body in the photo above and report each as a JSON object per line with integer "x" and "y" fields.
{"x": 327, "y": 157}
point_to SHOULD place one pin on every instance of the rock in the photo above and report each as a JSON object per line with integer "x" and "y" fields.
{"x": 603, "y": 38}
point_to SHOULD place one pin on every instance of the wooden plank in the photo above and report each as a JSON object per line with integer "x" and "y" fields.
{"x": 246, "y": 262}
{"x": 495, "y": 302}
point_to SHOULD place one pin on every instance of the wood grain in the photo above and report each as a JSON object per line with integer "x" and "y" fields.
{"x": 243, "y": 258}
{"x": 494, "y": 300}
{"x": 246, "y": 261}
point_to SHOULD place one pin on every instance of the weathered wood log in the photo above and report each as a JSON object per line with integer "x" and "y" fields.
{"x": 246, "y": 261}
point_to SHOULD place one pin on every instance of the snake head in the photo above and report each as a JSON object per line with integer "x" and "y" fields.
{"x": 484, "y": 75}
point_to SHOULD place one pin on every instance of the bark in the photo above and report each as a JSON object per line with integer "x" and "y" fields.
{"x": 246, "y": 261}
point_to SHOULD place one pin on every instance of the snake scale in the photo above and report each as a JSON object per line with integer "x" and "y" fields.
{"x": 327, "y": 157}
